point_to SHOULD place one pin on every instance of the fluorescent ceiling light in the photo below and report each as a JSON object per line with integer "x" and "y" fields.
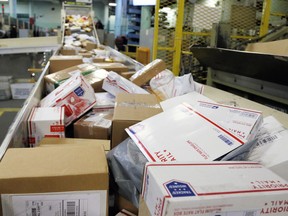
{"x": 112, "y": 4}
{"x": 4, "y": 0}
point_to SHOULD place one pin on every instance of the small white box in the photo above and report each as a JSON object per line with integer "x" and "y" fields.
{"x": 5, "y": 91}
{"x": 182, "y": 134}
{"x": 213, "y": 189}
{"x": 21, "y": 90}
{"x": 115, "y": 84}
{"x": 76, "y": 95}
{"x": 45, "y": 122}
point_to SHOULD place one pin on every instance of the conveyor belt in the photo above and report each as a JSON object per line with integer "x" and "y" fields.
{"x": 260, "y": 66}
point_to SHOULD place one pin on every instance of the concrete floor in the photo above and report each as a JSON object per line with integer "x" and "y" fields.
{"x": 8, "y": 111}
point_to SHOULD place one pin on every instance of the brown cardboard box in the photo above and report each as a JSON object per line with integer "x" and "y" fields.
{"x": 48, "y": 142}
{"x": 127, "y": 75}
{"x": 94, "y": 125}
{"x": 58, "y": 63}
{"x": 113, "y": 66}
{"x": 131, "y": 109}
{"x": 55, "y": 169}
{"x": 86, "y": 55}
{"x": 143, "y": 209}
{"x": 88, "y": 45}
{"x": 278, "y": 47}
{"x": 122, "y": 203}
{"x": 146, "y": 73}
{"x": 98, "y": 59}
{"x": 67, "y": 52}
{"x": 92, "y": 75}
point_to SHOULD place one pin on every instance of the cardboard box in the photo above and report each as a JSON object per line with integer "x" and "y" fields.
{"x": 223, "y": 188}
{"x": 58, "y": 63}
{"x": 146, "y": 73}
{"x": 98, "y": 59}
{"x": 122, "y": 203}
{"x": 67, "y": 52}
{"x": 182, "y": 134}
{"x": 92, "y": 74}
{"x": 42, "y": 125}
{"x": 44, "y": 174}
{"x": 115, "y": 84}
{"x": 131, "y": 109}
{"x": 53, "y": 80}
{"x": 127, "y": 75}
{"x": 88, "y": 45}
{"x": 278, "y": 47}
{"x": 94, "y": 125}
{"x": 76, "y": 95}
{"x": 86, "y": 55}
{"x": 21, "y": 90}
{"x": 124, "y": 212}
{"x": 113, "y": 66}
{"x": 50, "y": 141}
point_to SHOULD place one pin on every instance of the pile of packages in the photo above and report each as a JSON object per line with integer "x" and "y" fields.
{"x": 169, "y": 149}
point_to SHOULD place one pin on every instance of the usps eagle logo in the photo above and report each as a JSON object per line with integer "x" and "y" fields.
{"x": 179, "y": 189}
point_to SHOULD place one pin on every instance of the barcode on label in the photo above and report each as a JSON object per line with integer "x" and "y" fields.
{"x": 268, "y": 139}
{"x": 250, "y": 213}
{"x": 227, "y": 141}
{"x": 33, "y": 212}
{"x": 71, "y": 208}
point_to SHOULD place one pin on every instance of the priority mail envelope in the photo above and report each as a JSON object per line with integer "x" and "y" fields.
{"x": 182, "y": 134}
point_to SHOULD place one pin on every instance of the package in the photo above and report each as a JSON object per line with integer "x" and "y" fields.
{"x": 76, "y": 95}
{"x": 86, "y": 55}
{"x": 63, "y": 177}
{"x": 50, "y": 142}
{"x": 88, "y": 45}
{"x": 124, "y": 212}
{"x": 58, "y": 63}
{"x": 42, "y": 125}
{"x": 5, "y": 91}
{"x": 94, "y": 125}
{"x": 112, "y": 66}
{"x": 243, "y": 123}
{"x": 68, "y": 52}
{"x": 182, "y": 134}
{"x": 104, "y": 100}
{"x": 219, "y": 188}
{"x": 21, "y": 90}
{"x": 191, "y": 98}
{"x": 271, "y": 147}
{"x": 165, "y": 85}
{"x": 131, "y": 109}
{"x": 98, "y": 59}
{"x": 146, "y": 73}
{"x": 127, "y": 75}
{"x": 53, "y": 80}
{"x": 115, "y": 84}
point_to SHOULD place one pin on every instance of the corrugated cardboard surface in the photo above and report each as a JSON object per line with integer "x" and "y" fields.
{"x": 113, "y": 66}
{"x": 67, "y": 52}
{"x": 48, "y": 142}
{"x": 91, "y": 130}
{"x": 53, "y": 169}
{"x": 142, "y": 76}
{"x": 58, "y": 63}
{"x": 131, "y": 109}
{"x": 279, "y": 47}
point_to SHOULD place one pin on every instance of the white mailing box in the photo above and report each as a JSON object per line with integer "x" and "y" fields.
{"x": 115, "y": 84}
{"x": 182, "y": 134}
{"x": 76, "y": 95}
{"x": 45, "y": 122}
{"x": 213, "y": 189}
